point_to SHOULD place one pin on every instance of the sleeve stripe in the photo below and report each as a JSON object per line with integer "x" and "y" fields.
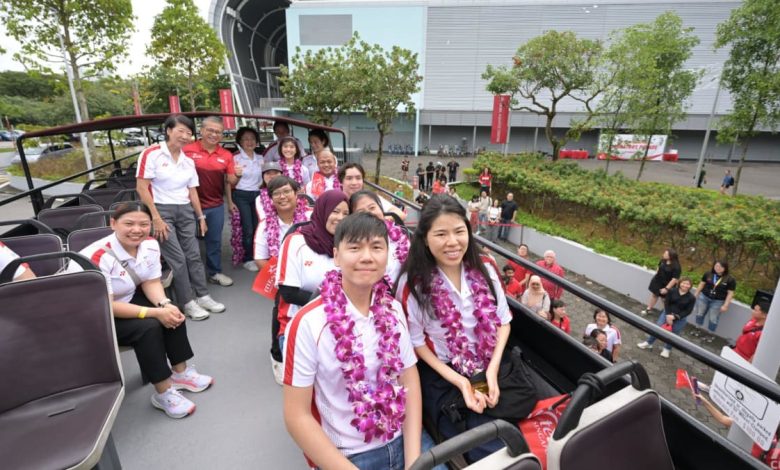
{"x": 142, "y": 165}
{"x": 289, "y": 363}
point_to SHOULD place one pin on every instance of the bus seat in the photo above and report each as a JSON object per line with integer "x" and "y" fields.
{"x": 93, "y": 220}
{"x": 80, "y": 239}
{"x": 59, "y": 402}
{"x": 63, "y": 219}
{"x": 27, "y": 245}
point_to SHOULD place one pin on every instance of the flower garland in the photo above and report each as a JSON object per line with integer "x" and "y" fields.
{"x": 272, "y": 226}
{"x": 397, "y": 235}
{"x": 465, "y": 359}
{"x": 297, "y": 176}
{"x": 379, "y": 407}
{"x": 236, "y": 238}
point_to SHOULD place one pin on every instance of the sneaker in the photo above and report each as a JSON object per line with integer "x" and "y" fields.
{"x": 250, "y": 266}
{"x": 665, "y": 353}
{"x": 644, "y": 345}
{"x": 173, "y": 403}
{"x": 210, "y": 304}
{"x": 221, "y": 279}
{"x": 278, "y": 369}
{"x": 191, "y": 380}
{"x": 195, "y": 311}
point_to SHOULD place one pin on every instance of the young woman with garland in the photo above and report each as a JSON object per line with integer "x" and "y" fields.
{"x": 325, "y": 178}
{"x": 291, "y": 161}
{"x": 458, "y": 316}
{"x": 367, "y": 201}
{"x": 349, "y": 359}
{"x": 270, "y": 171}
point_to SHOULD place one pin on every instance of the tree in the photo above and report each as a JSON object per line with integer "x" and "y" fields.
{"x": 185, "y": 45}
{"x": 383, "y": 82}
{"x": 751, "y": 73}
{"x": 655, "y": 81}
{"x": 546, "y": 70}
{"x": 93, "y": 35}
{"x": 158, "y": 82}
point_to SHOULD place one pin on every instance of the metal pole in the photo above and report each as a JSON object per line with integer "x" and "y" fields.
{"x": 700, "y": 164}
{"x": 508, "y": 130}
{"x": 69, "y": 73}
{"x": 536, "y": 136}
{"x": 417, "y": 131}
{"x": 430, "y": 131}
{"x": 474, "y": 142}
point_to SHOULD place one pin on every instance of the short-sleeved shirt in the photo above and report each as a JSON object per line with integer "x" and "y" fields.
{"x": 212, "y": 168}
{"x": 319, "y": 184}
{"x": 259, "y": 209}
{"x": 251, "y": 171}
{"x": 271, "y": 153}
{"x": 261, "y": 238}
{"x": 564, "y": 323}
{"x": 310, "y": 360}
{"x": 146, "y": 264}
{"x": 423, "y": 327}
{"x": 747, "y": 342}
{"x": 613, "y": 335}
{"x": 552, "y": 288}
{"x": 513, "y": 288}
{"x": 508, "y": 209}
{"x": 6, "y": 256}
{"x": 170, "y": 180}
{"x": 301, "y": 267}
{"x": 310, "y": 162}
{"x": 717, "y": 287}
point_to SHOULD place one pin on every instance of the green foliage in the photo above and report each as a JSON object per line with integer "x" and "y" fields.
{"x": 158, "y": 82}
{"x": 187, "y": 47}
{"x": 53, "y": 169}
{"x": 34, "y": 85}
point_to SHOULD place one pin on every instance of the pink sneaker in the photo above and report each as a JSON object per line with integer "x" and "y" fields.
{"x": 191, "y": 380}
{"x": 173, "y": 403}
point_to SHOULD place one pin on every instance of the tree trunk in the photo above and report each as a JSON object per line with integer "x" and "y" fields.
{"x": 739, "y": 167}
{"x": 644, "y": 157}
{"x": 191, "y": 92}
{"x": 378, "y": 167}
{"x": 548, "y": 132}
{"x": 609, "y": 154}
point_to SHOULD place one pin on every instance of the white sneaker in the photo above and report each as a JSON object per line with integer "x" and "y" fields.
{"x": 250, "y": 266}
{"x": 210, "y": 304}
{"x": 278, "y": 369}
{"x": 221, "y": 279}
{"x": 195, "y": 311}
{"x": 665, "y": 353}
{"x": 191, "y": 380}
{"x": 173, "y": 403}
{"x": 644, "y": 345}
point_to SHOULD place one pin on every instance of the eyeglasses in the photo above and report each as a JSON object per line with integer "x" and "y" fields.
{"x": 211, "y": 131}
{"x": 282, "y": 193}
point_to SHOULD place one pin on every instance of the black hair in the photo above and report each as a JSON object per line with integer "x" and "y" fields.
{"x": 322, "y": 135}
{"x": 347, "y": 166}
{"x": 359, "y": 227}
{"x": 597, "y": 332}
{"x": 420, "y": 265}
{"x": 283, "y": 141}
{"x": 281, "y": 123}
{"x": 591, "y": 343}
{"x": 763, "y": 305}
{"x": 128, "y": 207}
{"x": 507, "y": 267}
{"x": 599, "y": 310}
{"x": 280, "y": 182}
{"x": 174, "y": 119}
{"x": 557, "y": 303}
{"x": 674, "y": 258}
{"x": 353, "y": 200}
{"x": 725, "y": 265}
{"x": 246, "y": 130}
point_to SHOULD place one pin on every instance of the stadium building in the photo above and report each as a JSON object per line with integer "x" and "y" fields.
{"x": 455, "y": 40}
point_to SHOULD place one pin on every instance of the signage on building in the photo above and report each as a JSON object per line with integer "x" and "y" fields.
{"x": 500, "y": 125}
{"x": 632, "y": 147}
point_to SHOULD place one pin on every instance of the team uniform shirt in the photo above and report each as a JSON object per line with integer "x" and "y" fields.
{"x": 520, "y": 273}
{"x": 319, "y": 184}
{"x": 564, "y": 323}
{"x": 170, "y": 180}
{"x": 212, "y": 168}
{"x": 146, "y": 264}
{"x": 271, "y": 153}
{"x": 261, "y": 238}
{"x": 310, "y": 360}
{"x": 6, "y": 256}
{"x": 747, "y": 342}
{"x": 252, "y": 171}
{"x": 301, "y": 267}
{"x": 513, "y": 288}
{"x": 425, "y": 330}
{"x": 310, "y": 162}
{"x": 393, "y": 263}
{"x": 613, "y": 335}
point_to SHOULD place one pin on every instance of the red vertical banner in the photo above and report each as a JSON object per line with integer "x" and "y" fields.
{"x": 173, "y": 102}
{"x": 136, "y": 102}
{"x": 500, "y": 123}
{"x": 226, "y": 106}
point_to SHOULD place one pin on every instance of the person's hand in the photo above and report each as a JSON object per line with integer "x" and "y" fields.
{"x": 723, "y": 308}
{"x": 475, "y": 401}
{"x": 233, "y": 207}
{"x": 239, "y": 170}
{"x": 493, "y": 390}
{"x": 669, "y": 320}
{"x": 663, "y": 290}
{"x": 168, "y": 317}
{"x": 160, "y": 229}
{"x": 203, "y": 227}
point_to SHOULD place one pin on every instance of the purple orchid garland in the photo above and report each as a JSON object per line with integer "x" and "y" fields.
{"x": 272, "y": 226}
{"x": 236, "y": 235}
{"x": 398, "y": 236}
{"x": 297, "y": 176}
{"x": 379, "y": 407}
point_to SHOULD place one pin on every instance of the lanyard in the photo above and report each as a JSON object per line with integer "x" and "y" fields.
{"x": 716, "y": 281}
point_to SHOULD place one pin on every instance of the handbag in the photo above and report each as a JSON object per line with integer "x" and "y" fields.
{"x": 518, "y": 393}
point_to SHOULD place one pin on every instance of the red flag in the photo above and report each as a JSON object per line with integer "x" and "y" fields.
{"x": 683, "y": 379}
{"x": 500, "y": 124}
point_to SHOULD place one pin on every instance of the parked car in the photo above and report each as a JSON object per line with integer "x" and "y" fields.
{"x": 7, "y": 136}
{"x": 33, "y": 154}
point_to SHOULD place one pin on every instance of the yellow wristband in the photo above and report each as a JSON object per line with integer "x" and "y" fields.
{"x": 142, "y": 313}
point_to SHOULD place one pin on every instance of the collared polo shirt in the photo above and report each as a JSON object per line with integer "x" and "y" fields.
{"x": 252, "y": 171}
{"x": 212, "y": 168}
{"x": 170, "y": 179}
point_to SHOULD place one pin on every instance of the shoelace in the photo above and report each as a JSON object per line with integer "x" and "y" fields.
{"x": 173, "y": 396}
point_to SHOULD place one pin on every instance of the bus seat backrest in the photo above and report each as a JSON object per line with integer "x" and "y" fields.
{"x": 37, "y": 244}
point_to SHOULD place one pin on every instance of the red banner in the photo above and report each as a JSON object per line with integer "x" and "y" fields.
{"x": 500, "y": 125}
{"x": 226, "y": 106}
{"x": 173, "y": 103}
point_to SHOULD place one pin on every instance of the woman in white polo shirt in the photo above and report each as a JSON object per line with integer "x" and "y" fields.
{"x": 6, "y": 256}
{"x": 247, "y": 189}
{"x": 167, "y": 183}
{"x": 143, "y": 317}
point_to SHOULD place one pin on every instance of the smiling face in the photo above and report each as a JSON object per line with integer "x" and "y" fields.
{"x": 211, "y": 133}
{"x": 549, "y": 259}
{"x": 316, "y": 145}
{"x": 362, "y": 262}
{"x": 353, "y": 181}
{"x": 338, "y": 214}
{"x": 284, "y": 198}
{"x": 719, "y": 269}
{"x": 248, "y": 143}
{"x": 132, "y": 228}
{"x": 522, "y": 251}
{"x": 601, "y": 320}
{"x": 602, "y": 339}
{"x": 448, "y": 240}
{"x": 685, "y": 286}
{"x": 178, "y": 136}
{"x": 367, "y": 204}
{"x": 326, "y": 162}
{"x": 289, "y": 150}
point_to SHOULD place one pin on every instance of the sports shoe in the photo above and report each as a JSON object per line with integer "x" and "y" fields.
{"x": 191, "y": 380}
{"x": 278, "y": 369}
{"x": 221, "y": 279}
{"x": 195, "y": 311}
{"x": 210, "y": 304}
{"x": 644, "y": 345}
{"x": 250, "y": 266}
{"x": 665, "y": 353}
{"x": 173, "y": 403}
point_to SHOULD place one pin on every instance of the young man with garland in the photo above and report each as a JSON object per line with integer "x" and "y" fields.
{"x": 351, "y": 389}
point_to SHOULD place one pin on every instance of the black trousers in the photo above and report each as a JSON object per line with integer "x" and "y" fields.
{"x": 154, "y": 345}
{"x": 429, "y": 180}
{"x": 276, "y": 352}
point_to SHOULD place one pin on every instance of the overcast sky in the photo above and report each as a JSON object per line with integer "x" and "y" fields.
{"x": 144, "y": 11}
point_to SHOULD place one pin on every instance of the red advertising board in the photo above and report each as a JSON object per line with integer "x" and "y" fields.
{"x": 226, "y": 106}
{"x": 173, "y": 102}
{"x": 500, "y": 125}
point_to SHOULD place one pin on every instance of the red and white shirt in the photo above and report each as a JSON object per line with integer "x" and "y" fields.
{"x": 302, "y": 267}
{"x": 171, "y": 179}
{"x": 613, "y": 334}
{"x": 212, "y": 168}
{"x": 310, "y": 360}
{"x": 427, "y": 330}
{"x": 6, "y": 256}
{"x": 319, "y": 184}
{"x": 146, "y": 264}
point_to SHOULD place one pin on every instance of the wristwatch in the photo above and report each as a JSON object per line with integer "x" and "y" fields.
{"x": 164, "y": 302}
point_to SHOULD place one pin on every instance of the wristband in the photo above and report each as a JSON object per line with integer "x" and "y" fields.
{"x": 142, "y": 313}
{"x": 201, "y": 217}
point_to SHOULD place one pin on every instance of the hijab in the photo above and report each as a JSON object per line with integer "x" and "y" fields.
{"x": 316, "y": 236}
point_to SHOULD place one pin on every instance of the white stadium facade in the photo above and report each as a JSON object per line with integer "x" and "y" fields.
{"x": 454, "y": 41}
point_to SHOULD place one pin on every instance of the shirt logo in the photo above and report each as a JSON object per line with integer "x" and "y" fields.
{"x": 164, "y": 164}
{"x": 220, "y": 160}
{"x": 122, "y": 273}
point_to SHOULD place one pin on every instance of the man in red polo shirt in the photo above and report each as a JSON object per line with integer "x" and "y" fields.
{"x": 214, "y": 165}
{"x": 747, "y": 342}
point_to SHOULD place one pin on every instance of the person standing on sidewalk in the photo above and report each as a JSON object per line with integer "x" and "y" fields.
{"x": 429, "y": 171}
{"x": 551, "y": 264}
{"x": 714, "y": 295}
{"x": 214, "y": 165}
{"x": 678, "y": 304}
{"x": 508, "y": 213}
{"x": 250, "y": 165}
